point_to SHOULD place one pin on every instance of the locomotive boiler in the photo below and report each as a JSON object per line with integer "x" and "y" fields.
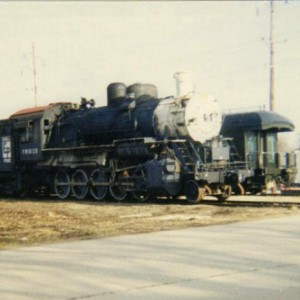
{"x": 138, "y": 145}
{"x": 136, "y": 112}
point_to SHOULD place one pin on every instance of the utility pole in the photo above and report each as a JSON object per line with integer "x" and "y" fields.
{"x": 34, "y": 75}
{"x": 271, "y": 94}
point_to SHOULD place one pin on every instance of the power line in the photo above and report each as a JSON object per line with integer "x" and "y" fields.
{"x": 34, "y": 75}
{"x": 271, "y": 91}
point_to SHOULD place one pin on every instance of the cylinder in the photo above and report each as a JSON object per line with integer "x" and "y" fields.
{"x": 185, "y": 83}
{"x": 116, "y": 92}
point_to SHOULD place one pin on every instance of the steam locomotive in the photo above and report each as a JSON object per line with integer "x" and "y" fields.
{"x": 138, "y": 145}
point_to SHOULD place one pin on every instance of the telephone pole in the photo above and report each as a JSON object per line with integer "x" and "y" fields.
{"x": 271, "y": 93}
{"x": 34, "y": 75}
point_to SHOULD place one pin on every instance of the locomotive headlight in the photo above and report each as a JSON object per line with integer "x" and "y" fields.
{"x": 203, "y": 117}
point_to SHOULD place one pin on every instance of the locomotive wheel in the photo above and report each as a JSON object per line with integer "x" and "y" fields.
{"x": 116, "y": 190}
{"x": 193, "y": 193}
{"x": 226, "y": 193}
{"x": 79, "y": 184}
{"x": 97, "y": 188}
{"x": 62, "y": 184}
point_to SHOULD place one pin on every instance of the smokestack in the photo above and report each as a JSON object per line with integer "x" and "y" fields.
{"x": 185, "y": 83}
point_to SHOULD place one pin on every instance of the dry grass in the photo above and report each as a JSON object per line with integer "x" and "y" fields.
{"x": 31, "y": 222}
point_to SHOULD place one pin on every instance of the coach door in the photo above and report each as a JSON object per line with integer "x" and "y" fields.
{"x": 270, "y": 149}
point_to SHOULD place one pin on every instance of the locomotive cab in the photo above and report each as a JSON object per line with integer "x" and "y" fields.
{"x": 32, "y": 129}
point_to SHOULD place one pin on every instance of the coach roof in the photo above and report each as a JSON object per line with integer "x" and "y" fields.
{"x": 259, "y": 120}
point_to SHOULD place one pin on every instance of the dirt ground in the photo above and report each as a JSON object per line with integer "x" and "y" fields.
{"x": 36, "y": 221}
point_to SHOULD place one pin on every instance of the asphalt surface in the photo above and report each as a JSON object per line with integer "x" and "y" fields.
{"x": 251, "y": 260}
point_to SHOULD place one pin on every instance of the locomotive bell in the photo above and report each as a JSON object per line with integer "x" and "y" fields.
{"x": 185, "y": 83}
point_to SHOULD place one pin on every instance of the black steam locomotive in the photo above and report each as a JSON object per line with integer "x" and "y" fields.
{"x": 137, "y": 145}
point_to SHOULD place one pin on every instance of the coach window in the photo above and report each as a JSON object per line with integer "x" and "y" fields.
{"x": 270, "y": 146}
{"x": 251, "y": 148}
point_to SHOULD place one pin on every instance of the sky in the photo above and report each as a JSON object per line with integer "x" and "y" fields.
{"x": 81, "y": 47}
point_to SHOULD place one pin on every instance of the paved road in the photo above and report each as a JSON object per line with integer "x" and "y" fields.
{"x": 251, "y": 260}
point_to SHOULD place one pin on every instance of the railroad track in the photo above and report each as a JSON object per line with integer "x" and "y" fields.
{"x": 237, "y": 203}
{"x": 257, "y": 201}
{"x": 234, "y": 201}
